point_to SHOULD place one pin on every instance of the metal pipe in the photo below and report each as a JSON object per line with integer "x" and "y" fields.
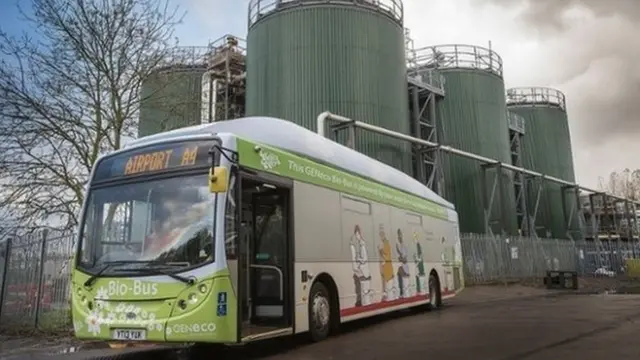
{"x": 327, "y": 115}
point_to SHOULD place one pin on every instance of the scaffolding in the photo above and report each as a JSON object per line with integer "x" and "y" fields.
{"x": 425, "y": 86}
{"x": 516, "y": 132}
{"x": 224, "y": 82}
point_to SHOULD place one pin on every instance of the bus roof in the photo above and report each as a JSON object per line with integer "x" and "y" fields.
{"x": 291, "y": 137}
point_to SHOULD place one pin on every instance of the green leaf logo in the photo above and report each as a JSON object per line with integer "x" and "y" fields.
{"x": 269, "y": 160}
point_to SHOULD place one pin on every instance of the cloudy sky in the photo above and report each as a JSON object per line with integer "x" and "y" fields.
{"x": 586, "y": 49}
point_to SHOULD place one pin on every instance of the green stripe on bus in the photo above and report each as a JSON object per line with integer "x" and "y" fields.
{"x": 276, "y": 161}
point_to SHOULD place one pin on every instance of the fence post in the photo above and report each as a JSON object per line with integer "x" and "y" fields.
{"x": 43, "y": 250}
{"x": 3, "y": 285}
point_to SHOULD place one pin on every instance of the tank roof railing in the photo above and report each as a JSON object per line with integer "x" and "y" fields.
{"x": 228, "y": 41}
{"x": 460, "y": 56}
{"x": 185, "y": 56}
{"x": 261, "y": 8}
{"x": 536, "y": 96}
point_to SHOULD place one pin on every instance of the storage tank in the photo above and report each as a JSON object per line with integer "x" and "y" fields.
{"x": 547, "y": 149}
{"x": 170, "y": 97}
{"x": 307, "y": 56}
{"x": 472, "y": 117}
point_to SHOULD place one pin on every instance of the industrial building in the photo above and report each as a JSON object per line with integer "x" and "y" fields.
{"x": 356, "y": 59}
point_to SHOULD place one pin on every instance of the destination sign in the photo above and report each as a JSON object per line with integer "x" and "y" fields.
{"x": 154, "y": 159}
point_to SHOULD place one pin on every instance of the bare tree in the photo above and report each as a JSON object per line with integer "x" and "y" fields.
{"x": 71, "y": 93}
{"x": 625, "y": 183}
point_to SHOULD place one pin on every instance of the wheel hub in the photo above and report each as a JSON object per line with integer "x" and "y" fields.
{"x": 321, "y": 311}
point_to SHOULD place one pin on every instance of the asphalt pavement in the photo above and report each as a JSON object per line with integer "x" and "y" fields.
{"x": 558, "y": 326}
{"x": 493, "y": 323}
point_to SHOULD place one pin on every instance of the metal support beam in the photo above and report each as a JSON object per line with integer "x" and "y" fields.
{"x": 533, "y": 215}
{"x": 496, "y": 195}
{"x": 323, "y": 117}
{"x": 580, "y": 214}
{"x": 487, "y": 200}
{"x": 571, "y": 212}
{"x": 419, "y": 169}
{"x": 519, "y": 184}
{"x": 441, "y": 149}
{"x": 426, "y": 159}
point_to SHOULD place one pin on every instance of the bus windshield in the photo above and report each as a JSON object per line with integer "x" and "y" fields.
{"x": 164, "y": 221}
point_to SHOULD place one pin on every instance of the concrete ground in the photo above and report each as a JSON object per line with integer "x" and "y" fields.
{"x": 493, "y": 323}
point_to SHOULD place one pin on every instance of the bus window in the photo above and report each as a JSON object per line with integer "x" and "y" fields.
{"x": 166, "y": 220}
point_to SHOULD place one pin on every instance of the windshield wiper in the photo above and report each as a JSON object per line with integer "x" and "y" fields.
{"x": 107, "y": 265}
{"x": 153, "y": 270}
{"x": 160, "y": 271}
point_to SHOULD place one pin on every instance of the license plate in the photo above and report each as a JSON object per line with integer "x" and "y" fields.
{"x": 129, "y": 334}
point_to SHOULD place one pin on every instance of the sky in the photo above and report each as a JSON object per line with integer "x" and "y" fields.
{"x": 585, "y": 49}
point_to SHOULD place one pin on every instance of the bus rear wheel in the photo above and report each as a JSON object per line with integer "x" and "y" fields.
{"x": 319, "y": 312}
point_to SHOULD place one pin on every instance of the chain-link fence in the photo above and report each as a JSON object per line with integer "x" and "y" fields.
{"x": 35, "y": 271}
{"x": 520, "y": 259}
{"x": 34, "y": 281}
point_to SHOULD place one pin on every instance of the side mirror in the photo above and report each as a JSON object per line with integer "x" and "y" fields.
{"x": 218, "y": 179}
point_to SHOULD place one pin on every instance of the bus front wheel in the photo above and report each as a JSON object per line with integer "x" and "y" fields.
{"x": 319, "y": 312}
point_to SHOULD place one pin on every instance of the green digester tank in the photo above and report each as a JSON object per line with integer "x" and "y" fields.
{"x": 305, "y": 57}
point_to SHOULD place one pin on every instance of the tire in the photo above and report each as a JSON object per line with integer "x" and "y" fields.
{"x": 435, "y": 297}
{"x": 319, "y": 312}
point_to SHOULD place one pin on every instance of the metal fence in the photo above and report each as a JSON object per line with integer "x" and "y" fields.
{"x": 35, "y": 271}
{"x": 34, "y": 281}
{"x": 519, "y": 259}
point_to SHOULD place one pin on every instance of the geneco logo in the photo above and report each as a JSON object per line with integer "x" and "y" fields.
{"x": 268, "y": 160}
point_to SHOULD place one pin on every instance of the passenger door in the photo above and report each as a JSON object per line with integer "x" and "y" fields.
{"x": 265, "y": 254}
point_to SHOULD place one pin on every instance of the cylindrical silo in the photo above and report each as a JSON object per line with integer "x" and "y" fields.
{"x": 171, "y": 96}
{"x": 305, "y": 57}
{"x": 547, "y": 149}
{"x": 472, "y": 117}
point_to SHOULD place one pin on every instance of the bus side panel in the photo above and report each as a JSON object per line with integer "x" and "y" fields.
{"x": 317, "y": 242}
{"x": 357, "y": 242}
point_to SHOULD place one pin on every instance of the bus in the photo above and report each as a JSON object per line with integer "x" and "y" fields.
{"x": 253, "y": 228}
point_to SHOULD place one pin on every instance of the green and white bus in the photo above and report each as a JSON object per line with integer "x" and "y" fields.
{"x": 253, "y": 228}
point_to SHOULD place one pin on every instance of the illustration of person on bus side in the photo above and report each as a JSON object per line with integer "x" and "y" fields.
{"x": 418, "y": 257}
{"x": 386, "y": 268}
{"x": 404, "y": 277}
{"x": 361, "y": 271}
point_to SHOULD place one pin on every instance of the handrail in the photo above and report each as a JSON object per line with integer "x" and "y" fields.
{"x": 459, "y": 56}
{"x": 271, "y": 267}
{"x": 261, "y": 8}
{"x": 536, "y": 96}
